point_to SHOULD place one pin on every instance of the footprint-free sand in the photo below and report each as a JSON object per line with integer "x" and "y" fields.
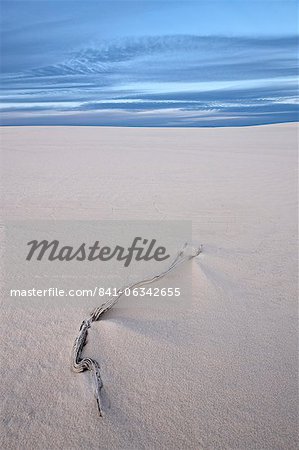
{"x": 220, "y": 375}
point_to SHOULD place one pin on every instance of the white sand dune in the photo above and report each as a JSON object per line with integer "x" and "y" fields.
{"x": 223, "y": 374}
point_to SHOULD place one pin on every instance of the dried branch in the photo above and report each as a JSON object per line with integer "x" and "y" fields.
{"x": 80, "y": 364}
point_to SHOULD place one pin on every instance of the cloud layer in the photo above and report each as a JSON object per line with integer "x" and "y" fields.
{"x": 173, "y": 80}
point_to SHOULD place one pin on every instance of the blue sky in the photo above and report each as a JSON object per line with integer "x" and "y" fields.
{"x": 148, "y": 63}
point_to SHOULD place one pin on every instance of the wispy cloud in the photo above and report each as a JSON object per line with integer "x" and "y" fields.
{"x": 162, "y": 81}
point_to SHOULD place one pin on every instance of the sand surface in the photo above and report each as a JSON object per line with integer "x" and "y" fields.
{"x": 223, "y": 374}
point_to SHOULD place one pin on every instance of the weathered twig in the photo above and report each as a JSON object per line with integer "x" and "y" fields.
{"x": 80, "y": 364}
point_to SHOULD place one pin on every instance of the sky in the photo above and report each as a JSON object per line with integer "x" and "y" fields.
{"x": 149, "y": 63}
